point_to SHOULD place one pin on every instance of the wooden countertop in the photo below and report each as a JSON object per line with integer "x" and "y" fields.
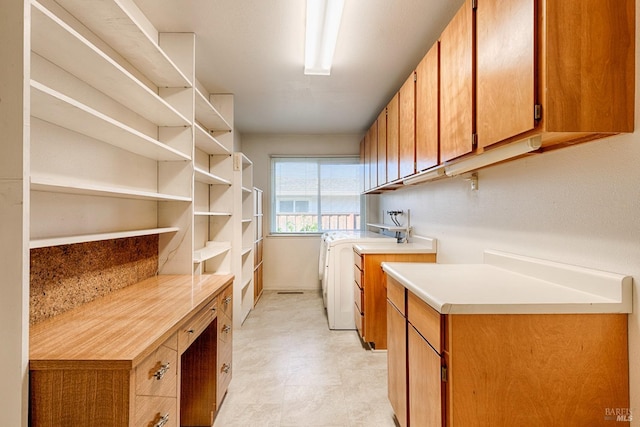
{"x": 122, "y": 328}
{"x": 513, "y": 284}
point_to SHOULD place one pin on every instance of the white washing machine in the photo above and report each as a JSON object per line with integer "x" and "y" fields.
{"x": 336, "y": 273}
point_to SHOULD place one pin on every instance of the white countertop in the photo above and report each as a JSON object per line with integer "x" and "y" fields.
{"x": 428, "y": 247}
{"x": 508, "y": 283}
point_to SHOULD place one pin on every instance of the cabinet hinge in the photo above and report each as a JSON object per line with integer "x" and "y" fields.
{"x": 415, "y": 76}
{"x": 537, "y": 112}
{"x": 474, "y": 4}
{"x": 443, "y": 373}
{"x": 474, "y": 141}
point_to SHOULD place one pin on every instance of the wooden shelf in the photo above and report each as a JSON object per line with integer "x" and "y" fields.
{"x": 208, "y": 116}
{"x": 54, "y": 40}
{"x": 54, "y": 107}
{"x": 209, "y": 178}
{"x": 62, "y": 186}
{"x": 83, "y": 238}
{"x": 212, "y": 250}
{"x": 207, "y": 143}
{"x": 123, "y": 31}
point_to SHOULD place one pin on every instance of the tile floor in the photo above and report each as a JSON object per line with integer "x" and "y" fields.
{"x": 290, "y": 370}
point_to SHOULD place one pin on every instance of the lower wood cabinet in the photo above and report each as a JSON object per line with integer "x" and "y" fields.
{"x": 370, "y": 292}
{"x": 503, "y": 369}
{"x": 157, "y": 353}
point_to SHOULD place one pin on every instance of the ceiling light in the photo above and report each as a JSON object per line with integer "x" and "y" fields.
{"x": 323, "y": 23}
{"x": 492, "y": 156}
{"x": 427, "y": 175}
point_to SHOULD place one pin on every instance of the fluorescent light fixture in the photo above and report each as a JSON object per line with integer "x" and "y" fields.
{"x": 495, "y": 155}
{"x": 323, "y": 23}
{"x": 427, "y": 175}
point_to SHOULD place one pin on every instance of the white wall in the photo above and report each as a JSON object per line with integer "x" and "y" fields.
{"x": 290, "y": 262}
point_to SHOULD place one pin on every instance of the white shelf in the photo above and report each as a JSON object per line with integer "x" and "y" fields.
{"x": 208, "y": 116}
{"x": 246, "y": 283}
{"x": 212, "y": 250}
{"x": 54, "y": 40}
{"x": 246, "y": 251}
{"x": 68, "y": 187}
{"x": 54, "y": 107}
{"x": 246, "y": 190}
{"x": 207, "y": 143}
{"x": 202, "y": 213}
{"x": 208, "y": 178}
{"x": 83, "y": 238}
{"x": 118, "y": 28}
{"x": 247, "y": 220}
{"x": 388, "y": 227}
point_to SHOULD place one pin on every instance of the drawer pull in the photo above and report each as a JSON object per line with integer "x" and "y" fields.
{"x": 162, "y": 370}
{"x": 226, "y": 300}
{"x": 191, "y": 331}
{"x": 226, "y": 329}
{"x": 213, "y": 309}
{"x": 162, "y": 421}
{"x": 225, "y": 368}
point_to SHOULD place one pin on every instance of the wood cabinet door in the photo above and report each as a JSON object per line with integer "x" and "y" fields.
{"x": 373, "y": 155}
{"x": 427, "y": 132}
{"x": 382, "y": 147}
{"x": 393, "y": 153}
{"x": 456, "y": 85}
{"x": 397, "y": 363}
{"x": 367, "y": 162}
{"x": 505, "y": 69}
{"x": 407, "y": 137}
{"x": 425, "y": 385}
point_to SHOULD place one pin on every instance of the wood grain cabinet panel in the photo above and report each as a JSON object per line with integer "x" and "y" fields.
{"x": 397, "y": 363}
{"x": 427, "y": 111}
{"x": 425, "y": 381}
{"x": 373, "y": 155}
{"x": 382, "y": 147}
{"x": 505, "y": 69}
{"x": 457, "y": 91}
{"x": 393, "y": 133}
{"x": 407, "y": 136}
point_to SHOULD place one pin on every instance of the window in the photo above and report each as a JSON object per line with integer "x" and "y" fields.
{"x": 315, "y": 194}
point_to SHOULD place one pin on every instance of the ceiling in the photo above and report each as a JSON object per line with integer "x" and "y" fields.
{"x": 255, "y": 50}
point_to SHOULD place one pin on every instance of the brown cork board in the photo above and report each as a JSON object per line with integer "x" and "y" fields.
{"x": 66, "y": 276}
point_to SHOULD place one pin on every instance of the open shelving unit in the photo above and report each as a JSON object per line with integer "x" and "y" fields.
{"x": 126, "y": 141}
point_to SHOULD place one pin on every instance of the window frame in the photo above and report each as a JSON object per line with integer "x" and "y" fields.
{"x": 318, "y": 159}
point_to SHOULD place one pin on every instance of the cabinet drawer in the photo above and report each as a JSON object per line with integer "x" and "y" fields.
{"x": 224, "y": 372}
{"x": 193, "y": 327}
{"x": 357, "y": 260}
{"x": 225, "y": 301}
{"x": 157, "y": 374}
{"x": 358, "y": 297}
{"x": 152, "y": 411}
{"x": 395, "y": 294}
{"x": 359, "y": 320}
{"x": 357, "y": 276}
{"x": 425, "y": 319}
{"x": 225, "y": 329}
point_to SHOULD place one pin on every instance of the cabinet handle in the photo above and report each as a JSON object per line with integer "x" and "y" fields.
{"x": 226, "y": 329}
{"x": 213, "y": 309}
{"x": 162, "y": 421}
{"x": 225, "y": 368}
{"x": 227, "y": 300}
{"x": 162, "y": 370}
{"x": 190, "y": 331}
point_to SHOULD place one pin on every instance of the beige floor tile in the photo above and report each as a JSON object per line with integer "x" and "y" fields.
{"x": 290, "y": 370}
